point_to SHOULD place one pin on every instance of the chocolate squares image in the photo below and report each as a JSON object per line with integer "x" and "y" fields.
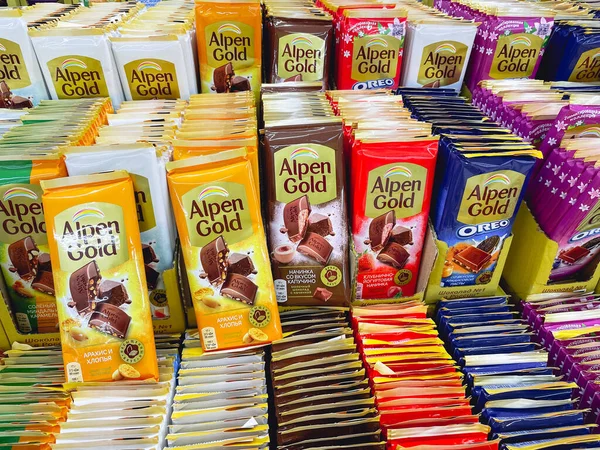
{"x": 239, "y": 84}
{"x": 295, "y": 218}
{"x": 222, "y": 78}
{"x": 574, "y": 254}
{"x": 472, "y": 258}
{"x": 241, "y": 264}
{"x": 110, "y": 319}
{"x": 23, "y": 255}
{"x": 83, "y": 284}
{"x": 320, "y": 224}
{"x": 213, "y": 258}
{"x": 322, "y": 294}
{"x": 44, "y": 282}
{"x": 149, "y": 254}
{"x": 44, "y": 263}
{"x": 113, "y": 292}
{"x": 240, "y": 288}
{"x": 316, "y": 246}
{"x": 151, "y": 276}
{"x": 380, "y": 229}
{"x": 393, "y": 255}
{"x": 401, "y": 235}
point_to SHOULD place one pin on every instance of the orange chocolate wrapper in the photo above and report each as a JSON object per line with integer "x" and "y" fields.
{"x": 102, "y": 299}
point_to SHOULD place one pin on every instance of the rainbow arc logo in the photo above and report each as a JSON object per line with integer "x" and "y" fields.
{"x": 85, "y": 213}
{"x": 398, "y": 171}
{"x": 19, "y": 192}
{"x": 211, "y": 191}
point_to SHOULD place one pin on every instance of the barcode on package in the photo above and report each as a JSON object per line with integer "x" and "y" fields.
{"x": 209, "y": 337}
{"x": 74, "y": 373}
{"x": 359, "y": 289}
{"x": 281, "y": 291}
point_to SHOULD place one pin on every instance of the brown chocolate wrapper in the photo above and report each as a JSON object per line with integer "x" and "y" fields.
{"x": 307, "y": 238}
{"x": 302, "y": 62}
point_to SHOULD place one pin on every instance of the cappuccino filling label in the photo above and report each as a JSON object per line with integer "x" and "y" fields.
{"x": 98, "y": 265}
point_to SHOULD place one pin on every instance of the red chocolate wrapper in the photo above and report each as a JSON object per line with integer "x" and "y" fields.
{"x": 369, "y": 51}
{"x": 398, "y": 177}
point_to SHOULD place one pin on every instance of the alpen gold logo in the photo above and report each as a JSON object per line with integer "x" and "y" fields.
{"x": 587, "y": 67}
{"x": 91, "y": 232}
{"x": 12, "y": 65}
{"x": 490, "y": 197}
{"x": 375, "y": 57}
{"x": 22, "y": 213}
{"x": 230, "y": 42}
{"x": 516, "y": 55}
{"x": 442, "y": 63}
{"x": 217, "y": 209}
{"x": 399, "y": 187}
{"x": 77, "y": 77}
{"x": 301, "y": 54}
{"x": 152, "y": 79}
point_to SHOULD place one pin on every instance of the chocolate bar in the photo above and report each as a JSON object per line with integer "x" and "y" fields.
{"x": 320, "y": 224}
{"x": 315, "y": 246}
{"x": 394, "y": 255}
{"x": 110, "y": 319}
{"x": 574, "y": 254}
{"x": 18, "y": 102}
{"x": 44, "y": 262}
{"x": 322, "y": 294}
{"x": 83, "y": 285}
{"x": 222, "y": 77}
{"x": 5, "y": 92}
{"x": 113, "y": 292}
{"x": 213, "y": 258}
{"x": 239, "y": 84}
{"x": 401, "y": 235}
{"x": 241, "y": 264}
{"x": 44, "y": 282}
{"x": 240, "y": 288}
{"x": 380, "y": 229}
{"x": 488, "y": 245}
{"x": 472, "y": 258}
{"x": 149, "y": 254}
{"x": 23, "y": 255}
{"x": 295, "y": 218}
{"x": 151, "y": 276}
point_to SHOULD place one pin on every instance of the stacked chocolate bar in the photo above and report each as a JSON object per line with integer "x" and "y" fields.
{"x": 128, "y": 414}
{"x": 33, "y": 403}
{"x": 481, "y": 176}
{"x": 567, "y": 326}
{"x": 509, "y": 376}
{"x": 321, "y": 395}
{"x": 53, "y": 125}
{"x": 221, "y": 399}
{"x": 418, "y": 389}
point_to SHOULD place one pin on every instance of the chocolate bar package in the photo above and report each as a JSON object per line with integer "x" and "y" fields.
{"x": 307, "y": 210}
{"x": 22, "y": 84}
{"x": 157, "y": 229}
{"x": 24, "y": 257}
{"x": 229, "y": 46}
{"x": 300, "y": 46}
{"x": 220, "y": 227}
{"x": 393, "y": 181}
{"x": 476, "y": 207}
{"x": 98, "y": 268}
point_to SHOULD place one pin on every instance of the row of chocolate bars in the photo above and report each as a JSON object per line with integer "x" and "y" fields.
{"x": 39, "y": 411}
{"x": 562, "y": 120}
